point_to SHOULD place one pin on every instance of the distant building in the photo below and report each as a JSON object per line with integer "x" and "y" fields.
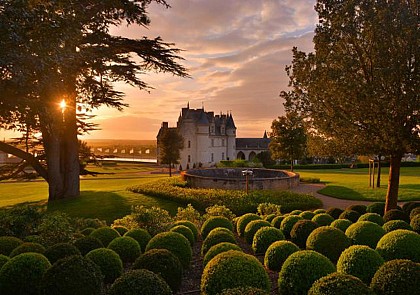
{"x": 210, "y": 138}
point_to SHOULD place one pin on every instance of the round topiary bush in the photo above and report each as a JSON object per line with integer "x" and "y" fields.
{"x": 3, "y": 260}
{"x": 28, "y": 247}
{"x": 61, "y": 250}
{"x": 400, "y": 244}
{"x": 334, "y": 212}
{"x": 141, "y": 235}
{"x": 295, "y": 212}
{"x": 319, "y": 211}
{"x": 341, "y": 224}
{"x": 358, "y": 207}
{"x": 105, "y": 235}
{"x": 190, "y": 225}
{"x": 243, "y": 291}
{"x": 252, "y": 228}
{"x": 377, "y": 207}
{"x": 264, "y": 237}
{"x": 216, "y": 236}
{"x": 87, "y": 244}
{"x": 213, "y": 222}
{"x": 277, "y": 221}
{"x": 35, "y": 239}
{"x": 108, "y": 261}
{"x": 269, "y": 217}
{"x": 365, "y": 233}
{"x": 308, "y": 215}
{"x": 120, "y": 229}
{"x": 8, "y": 244}
{"x": 233, "y": 269}
{"x": 140, "y": 281}
{"x": 301, "y": 269}
{"x": 414, "y": 212}
{"x": 277, "y": 254}
{"x": 22, "y": 274}
{"x": 396, "y": 224}
{"x": 323, "y": 219}
{"x": 301, "y": 231}
{"x": 73, "y": 275}
{"x": 360, "y": 261}
{"x": 174, "y": 242}
{"x": 185, "y": 231}
{"x": 396, "y": 214}
{"x": 409, "y": 206}
{"x": 339, "y": 283}
{"x": 373, "y": 217}
{"x": 288, "y": 223}
{"x": 87, "y": 231}
{"x": 415, "y": 223}
{"x": 351, "y": 215}
{"x": 164, "y": 263}
{"x": 328, "y": 241}
{"x": 243, "y": 222}
{"x": 217, "y": 249}
{"x": 126, "y": 247}
{"x": 397, "y": 277}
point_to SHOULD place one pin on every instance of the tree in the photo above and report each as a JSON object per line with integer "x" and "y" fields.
{"x": 361, "y": 85}
{"x": 170, "y": 143}
{"x": 288, "y": 138}
{"x": 56, "y": 51}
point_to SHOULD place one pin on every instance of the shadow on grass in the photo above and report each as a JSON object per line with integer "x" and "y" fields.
{"x": 341, "y": 192}
{"x": 410, "y": 186}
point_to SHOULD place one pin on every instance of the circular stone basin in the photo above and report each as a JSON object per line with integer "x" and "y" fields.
{"x": 233, "y": 178}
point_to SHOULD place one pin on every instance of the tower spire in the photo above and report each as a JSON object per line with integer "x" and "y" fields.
{"x": 188, "y": 105}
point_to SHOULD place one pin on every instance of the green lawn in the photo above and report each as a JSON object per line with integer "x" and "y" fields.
{"x": 353, "y": 184}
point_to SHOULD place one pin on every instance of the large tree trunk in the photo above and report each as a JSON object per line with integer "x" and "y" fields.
{"x": 393, "y": 182}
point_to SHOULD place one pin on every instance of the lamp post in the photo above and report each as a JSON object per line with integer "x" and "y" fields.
{"x": 247, "y": 173}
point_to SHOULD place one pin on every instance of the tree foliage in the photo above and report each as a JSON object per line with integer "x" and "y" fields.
{"x": 171, "y": 143}
{"x": 361, "y": 85}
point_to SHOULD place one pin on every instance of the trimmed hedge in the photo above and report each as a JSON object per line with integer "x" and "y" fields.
{"x": 243, "y": 222}
{"x": 334, "y": 212}
{"x": 358, "y": 207}
{"x": 396, "y": 224}
{"x": 377, "y": 207}
{"x": 415, "y": 223}
{"x": 120, "y": 229}
{"x": 323, "y": 219}
{"x": 28, "y": 247}
{"x": 105, "y": 235}
{"x": 108, "y": 261}
{"x": 301, "y": 269}
{"x": 277, "y": 221}
{"x": 87, "y": 244}
{"x": 3, "y": 260}
{"x": 288, "y": 223}
{"x": 126, "y": 247}
{"x": 338, "y": 283}
{"x": 400, "y": 244}
{"x": 373, "y": 217}
{"x": 319, "y": 211}
{"x": 414, "y": 212}
{"x": 307, "y": 215}
{"x": 351, "y": 215}
{"x": 185, "y": 231}
{"x": 396, "y": 214}
{"x": 277, "y": 254}
{"x": 365, "y": 233}
{"x": 213, "y": 222}
{"x": 233, "y": 269}
{"x": 191, "y": 226}
{"x": 141, "y": 235}
{"x": 341, "y": 224}
{"x": 217, "y": 249}
{"x": 217, "y": 236}
{"x": 8, "y": 244}
{"x": 264, "y": 237}
{"x": 269, "y": 217}
{"x": 252, "y": 228}
{"x": 301, "y": 231}
{"x": 243, "y": 291}
{"x": 61, "y": 250}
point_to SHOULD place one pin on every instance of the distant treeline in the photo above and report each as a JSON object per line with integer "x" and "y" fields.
{"x": 340, "y": 166}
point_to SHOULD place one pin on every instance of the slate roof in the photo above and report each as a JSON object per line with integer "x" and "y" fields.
{"x": 252, "y": 143}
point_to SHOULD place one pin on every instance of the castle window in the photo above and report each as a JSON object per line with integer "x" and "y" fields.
{"x": 212, "y": 142}
{"x": 212, "y": 129}
{"x": 222, "y": 130}
{"x": 223, "y": 156}
{"x": 189, "y": 158}
{"x": 189, "y": 143}
{"x": 223, "y": 142}
{"x": 212, "y": 157}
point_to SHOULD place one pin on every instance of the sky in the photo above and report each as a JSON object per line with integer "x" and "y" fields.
{"x": 235, "y": 51}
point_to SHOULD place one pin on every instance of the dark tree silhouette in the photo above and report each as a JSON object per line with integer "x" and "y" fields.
{"x": 170, "y": 143}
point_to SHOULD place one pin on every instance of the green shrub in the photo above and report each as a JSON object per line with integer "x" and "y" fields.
{"x": 397, "y": 277}
{"x": 341, "y": 224}
{"x": 217, "y": 249}
{"x": 339, "y": 283}
{"x": 360, "y": 261}
{"x": 185, "y": 231}
{"x": 269, "y": 217}
{"x": 60, "y": 250}
{"x": 87, "y": 244}
{"x": 189, "y": 213}
{"x": 377, "y": 207}
{"x": 288, "y": 223}
{"x": 22, "y": 274}
{"x": 174, "y": 242}
{"x": 3, "y": 260}
{"x": 127, "y": 247}
{"x": 34, "y": 239}
{"x": 216, "y": 236}
{"x": 73, "y": 275}
{"x": 328, "y": 241}
{"x": 105, "y": 235}
{"x": 252, "y": 228}
{"x": 219, "y": 210}
{"x": 213, "y": 222}
{"x": 55, "y": 228}
{"x": 400, "y": 244}
{"x": 277, "y": 221}
{"x": 140, "y": 281}
{"x": 351, "y": 215}
{"x": 301, "y": 269}
{"x": 140, "y": 235}
{"x": 365, "y": 233}
{"x": 87, "y": 231}
{"x": 243, "y": 222}
{"x": 28, "y": 247}
{"x": 164, "y": 263}
{"x": 233, "y": 269}
{"x": 334, "y": 212}
{"x": 83, "y": 223}
{"x": 108, "y": 261}
{"x": 277, "y": 254}
{"x": 191, "y": 226}
{"x": 415, "y": 223}
{"x": 373, "y": 217}
{"x": 20, "y": 221}
{"x": 295, "y": 212}
{"x": 8, "y": 244}
{"x": 308, "y": 215}
{"x": 264, "y": 237}
{"x": 414, "y": 212}
{"x": 409, "y": 206}
{"x": 244, "y": 291}
{"x": 323, "y": 219}
{"x": 120, "y": 229}
{"x": 396, "y": 214}
{"x": 359, "y": 208}
{"x": 396, "y": 224}
{"x": 301, "y": 231}
{"x": 319, "y": 211}
{"x": 264, "y": 209}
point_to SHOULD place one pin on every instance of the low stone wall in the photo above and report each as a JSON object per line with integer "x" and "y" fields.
{"x": 232, "y": 178}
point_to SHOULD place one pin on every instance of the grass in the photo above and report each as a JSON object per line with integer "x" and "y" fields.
{"x": 353, "y": 184}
